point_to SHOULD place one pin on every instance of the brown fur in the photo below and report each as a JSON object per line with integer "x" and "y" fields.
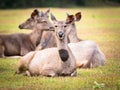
{"x": 49, "y": 62}
{"x": 21, "y": 44}
{"x": 47, "y": 41}
{"x": 47, "y": 37}
{"x": 15, "y": 44}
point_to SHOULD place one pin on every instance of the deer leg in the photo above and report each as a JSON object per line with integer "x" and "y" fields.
{"x": 24, "y": 51}
{"x": 27, "y": 73}
{"x": 48, "y": 73}
{"x": 2, "y": 51}
{"x": 69, "y": 73}
{"x": 74, "y": 74}
{"x": 21, "y": 68}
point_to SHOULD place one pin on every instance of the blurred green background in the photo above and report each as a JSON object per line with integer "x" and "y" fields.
{"x": 56, "y": 3}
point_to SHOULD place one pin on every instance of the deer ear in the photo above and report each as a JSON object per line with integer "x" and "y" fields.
{"x": 47, "y": 11}
{"x": 34, "y": 13}
{"x": 53, "y": 18}
{"x": 78, "y": 16}
{"x": 67, "y": 14}
{"x": 70, "y": 19}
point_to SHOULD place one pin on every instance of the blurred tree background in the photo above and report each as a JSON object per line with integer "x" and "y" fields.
{"x": 56, "y": 3}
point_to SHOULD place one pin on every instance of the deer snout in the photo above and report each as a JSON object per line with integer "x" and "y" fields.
{"x": 20, "y": 26}
{"x": 61, "y": 35}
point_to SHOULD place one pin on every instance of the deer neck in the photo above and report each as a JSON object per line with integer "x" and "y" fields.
{"x": 35, "y": 36}
{"x": 63, "y": 49}
{"x": 73, "y": 38}
{"x": 62, "y": 44}
{"x": 66, "y": 56}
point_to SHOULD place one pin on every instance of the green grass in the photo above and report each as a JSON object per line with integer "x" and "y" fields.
{"x": 101, "y": 25}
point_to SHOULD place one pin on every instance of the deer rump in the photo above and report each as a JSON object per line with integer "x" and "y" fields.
{"x": 15, "y": 43}
{"x": 87, "y": 54}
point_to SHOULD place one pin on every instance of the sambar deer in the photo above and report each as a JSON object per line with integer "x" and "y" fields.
{"x": 52, "y": 61}
{"x": 87, "y": 53}
{"x": 20, "y": 43}
{"x": 47, "y": 37}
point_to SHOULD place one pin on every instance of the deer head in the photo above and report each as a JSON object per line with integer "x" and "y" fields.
{"x": 65, "y": 26}
{"x": 59, "y": 27}
{"x": 29, "y": 23}
{"x": 36, "y": 17}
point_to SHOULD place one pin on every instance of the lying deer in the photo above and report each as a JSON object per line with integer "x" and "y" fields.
{"x": 52, "y": 61}
{"x": 21, "y": 44}
{"x": 47, "y": 38}
{"x": 87, "y": 53}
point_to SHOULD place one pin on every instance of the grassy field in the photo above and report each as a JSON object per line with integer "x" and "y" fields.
{"x": 101, "y": 25}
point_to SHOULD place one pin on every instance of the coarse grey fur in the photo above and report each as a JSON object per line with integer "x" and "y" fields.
{"x": 47, "y": 38}
{"x": 20, "y": 43}
{"x": 49, "y": 62}
{"x": 87, "y": 53}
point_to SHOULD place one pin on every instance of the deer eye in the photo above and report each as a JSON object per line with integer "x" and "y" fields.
{"x": 44, "y": 22}
{"x": 56, "y": 26}
{"x": 65, "y": 26}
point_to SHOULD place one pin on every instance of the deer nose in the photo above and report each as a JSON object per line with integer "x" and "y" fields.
{"x": 20, "y": 27}
{"x": 61, "y": 34}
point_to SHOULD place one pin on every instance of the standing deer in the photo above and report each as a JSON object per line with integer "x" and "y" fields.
{"x": 52, "y": 61}
{"x": 21, "y": 44}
